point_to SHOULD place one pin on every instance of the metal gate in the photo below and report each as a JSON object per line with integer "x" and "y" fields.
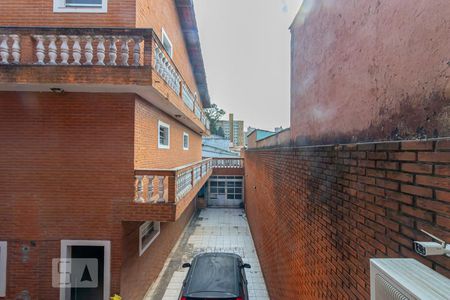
{"x": 225, "y": 191}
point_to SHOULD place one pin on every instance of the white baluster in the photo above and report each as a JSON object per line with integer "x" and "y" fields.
{"x": 88, "y": 50}
{"x": 76, "y": 49}
{"x": 137, "y": 51}
{"x": 158, "y": 60}
{"x": 4, "y": 49}
{"x": 100, "y": 50}
{"x": 40, "y": 49}
{"x": 139, "y": 189}
{"x": 16, "y": 48}
{"x": 150, "y": 188}
{"x": 161, "y": 189}
{"x": 112, "y": 51}
{"x": 64, "y": 49}
{"x": 125, "y": 51}
{"x": 52, "y": 50}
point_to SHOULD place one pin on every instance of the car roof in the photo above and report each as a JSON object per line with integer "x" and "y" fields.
{"x": 214, "y": 275}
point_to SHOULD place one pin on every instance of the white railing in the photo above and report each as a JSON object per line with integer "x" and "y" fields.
{"x": 188, "y": 98}
{"x": 184, "y": 183}
{"x": 117, "y": 47}
{"x": 169, "y": 186}
{"x": 166, "y": 70}
{"x": 73, "y": 49}
{"x": 197, "y": 174}
{"x": 227, "y": 163}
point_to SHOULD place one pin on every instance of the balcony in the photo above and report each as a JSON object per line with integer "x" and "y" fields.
{"x": 108, "y": 60}
{"x": 228, "y": 166}
{"x": 163, "y": 195}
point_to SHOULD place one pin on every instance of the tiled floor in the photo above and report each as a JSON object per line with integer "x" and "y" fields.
{"x": 213, "y": 230}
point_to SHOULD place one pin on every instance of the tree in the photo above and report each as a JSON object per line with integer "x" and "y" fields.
{"x": 214, "y": 114}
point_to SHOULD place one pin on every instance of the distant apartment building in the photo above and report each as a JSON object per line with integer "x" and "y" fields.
{"x": 101, "y": 125}
{"x": 233, "y": 130}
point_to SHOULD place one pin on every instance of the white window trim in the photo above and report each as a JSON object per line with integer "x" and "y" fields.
{"x": 186, "y": 134}
{"x": 157, "y": 226}
{"x": 166, "y": 36}
{"x": 106, "y": 258}
{"x": 59, "y": 6}
{"x": 161, "y": 146}
{"x": 3, "y": 262}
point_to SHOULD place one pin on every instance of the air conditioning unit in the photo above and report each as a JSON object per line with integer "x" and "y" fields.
{"x": 406, "y": 279}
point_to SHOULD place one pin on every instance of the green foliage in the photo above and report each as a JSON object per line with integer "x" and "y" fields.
{"x": 214, "y": 114}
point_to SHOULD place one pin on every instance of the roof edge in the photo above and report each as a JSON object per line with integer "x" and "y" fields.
{"x": 188, "y": 21}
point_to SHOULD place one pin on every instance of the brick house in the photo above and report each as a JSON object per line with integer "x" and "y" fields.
{"x": 365, "y": 165}
{"x": 101, "y": 122}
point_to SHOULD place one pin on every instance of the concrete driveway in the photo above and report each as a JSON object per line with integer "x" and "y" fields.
{"x": 211, "y": 230}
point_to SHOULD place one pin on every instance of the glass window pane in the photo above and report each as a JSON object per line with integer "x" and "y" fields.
{"x": 238, "y": 190}
{"x": 238, "y": 196}
{"x": 230, "y": 190}
{"x": 221, "y": 191}
{"x": 230, "y": 196}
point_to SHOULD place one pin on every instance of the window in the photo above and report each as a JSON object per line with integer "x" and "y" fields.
{"x": 3, "y": 252}
{"x": 163, "y": 135}
{"x": 167, "y": 43}
{"x": 148, "y": 232}
{"x": 185, "y": 141}
{"x": 80, "y": 6}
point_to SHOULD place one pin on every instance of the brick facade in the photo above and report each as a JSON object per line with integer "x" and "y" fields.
{"x": 147, "y": 155}
{"x": 318, "y": 214}
{"x": 67, "y": 171}
{"x": 139, "y": 272}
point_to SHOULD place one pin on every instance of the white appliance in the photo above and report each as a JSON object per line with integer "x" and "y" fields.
{"x": 406, "y": 279}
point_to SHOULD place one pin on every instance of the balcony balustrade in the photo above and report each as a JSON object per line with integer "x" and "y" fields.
{"x": 133, "y": 49}
{"x": 227, "y": 163}
{"x": 169, "y": 186}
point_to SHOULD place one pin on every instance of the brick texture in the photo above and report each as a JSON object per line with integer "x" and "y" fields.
{"x": 67, "y": 172}
{"x": 318, "y": 214}
{"x": 139, "y": 272}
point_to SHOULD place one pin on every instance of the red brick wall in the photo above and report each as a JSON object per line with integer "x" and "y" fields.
{"x": 61, "y": 156}
{"x": 139, "y": 272}
{"x": 147, "y": 154}
{"x": 158, "y": 14}
{"x": 370, "y": 70}
{"x": 318, "y": 214}
{"x": 155, "y": 14}
{"x": 121, "y": 13}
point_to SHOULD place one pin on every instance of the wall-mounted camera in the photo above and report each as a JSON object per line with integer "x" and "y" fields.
{"x": 437, "y": 247}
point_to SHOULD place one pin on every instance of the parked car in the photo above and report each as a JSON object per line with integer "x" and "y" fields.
{"x": 215, "y": 276}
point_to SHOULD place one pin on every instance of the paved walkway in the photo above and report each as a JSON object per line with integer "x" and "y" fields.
{"x": 212, "y": 230}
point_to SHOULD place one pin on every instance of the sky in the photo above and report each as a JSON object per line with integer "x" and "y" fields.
{"x": 246, "y": 51}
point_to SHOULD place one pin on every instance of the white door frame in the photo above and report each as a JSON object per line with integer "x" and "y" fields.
{"x": 3, "y": 262}
{"x": 65, "y": 244}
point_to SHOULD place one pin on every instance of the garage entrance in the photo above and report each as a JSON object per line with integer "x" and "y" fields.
{"x": 225, "y": 191}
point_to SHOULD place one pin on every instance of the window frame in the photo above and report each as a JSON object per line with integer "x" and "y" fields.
{"x": 61, "y": 6}
{"x": 185, "y": 134}
{"x": 165, "y": 36}
{"x": 142, "y": 227}
{"x": 162, "y": 124}
{"x": 3, "y": 263}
